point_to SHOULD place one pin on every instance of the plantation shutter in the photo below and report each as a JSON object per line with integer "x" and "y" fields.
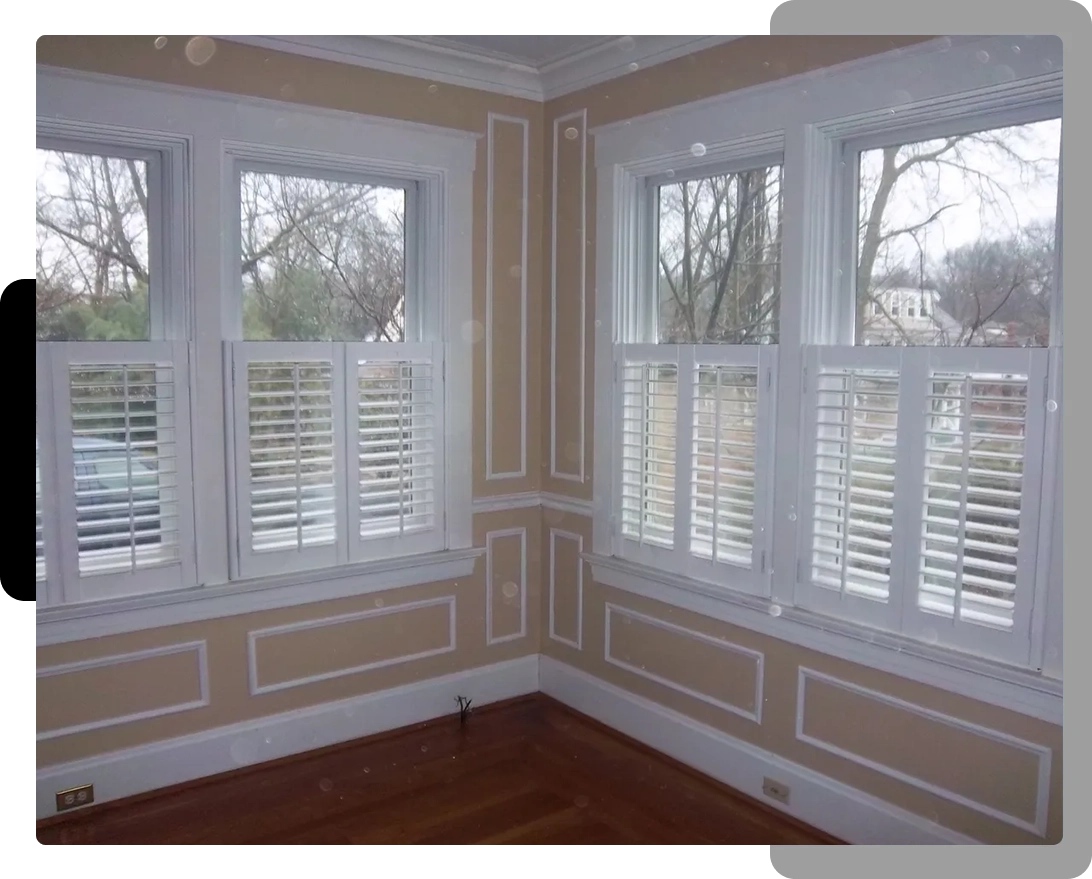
{"x": 649, "y": 425}
{"x": 338, "y": 452}
{"x": 289, "y": 417}
{"x": 121, "y": 452}
{"x": 696, "y": 427}
{"x": 973, "y": 565}
{"x": 396, "y": 441}
{"x": 923, "y": 491}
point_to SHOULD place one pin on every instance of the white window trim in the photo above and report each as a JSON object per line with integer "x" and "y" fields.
{"x": 812, "y": 114}
{"x": 204, "y": 132}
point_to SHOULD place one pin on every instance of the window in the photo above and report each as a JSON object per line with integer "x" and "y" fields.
{"x": 117, "y": 519}
{"x": 338, "y": 422}
{"x": 299, "y": 297}
{"x": 695, "y": 404}
{"x": 969, "y": 219}
{"x": 873, "y": 442}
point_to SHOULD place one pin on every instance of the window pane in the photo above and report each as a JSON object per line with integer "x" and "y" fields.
{"x": 91, "y": 216}
{"x": 959, "y": 231}
{"x": 322, "y": 260}
{"x": 719, "y": 258}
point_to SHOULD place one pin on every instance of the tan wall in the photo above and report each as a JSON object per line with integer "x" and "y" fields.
{"x": 904, "y": 729}
{"x": 381, "y": 643}
{"x": 657, "y": 651}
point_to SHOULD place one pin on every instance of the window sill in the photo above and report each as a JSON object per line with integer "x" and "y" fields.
{"x": 58, "y": 625}
{"x": 1026, "y": 692}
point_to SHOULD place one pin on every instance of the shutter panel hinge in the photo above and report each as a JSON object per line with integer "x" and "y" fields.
{"x": 798, "y": 570}
{"x": 804, "y": 379}
{"x": 762, "y": 568}
{"x": 769, "y": 377}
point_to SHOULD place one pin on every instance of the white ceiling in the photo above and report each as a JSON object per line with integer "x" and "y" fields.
{"x": 539, "y": 68}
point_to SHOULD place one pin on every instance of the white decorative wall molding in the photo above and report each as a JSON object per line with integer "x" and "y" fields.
{"x": 529, "y": 499}
{"x": 555, "y": 534}
{"x": 754, "y": 715}
{"x": 198, "y": 648}
{"x": 490, "y": 473}
{"x": 582, "y": 135}
{"x": 1042, "y": 753}
{"x": 490, "y": 537}
{"x": 431, "y": 59}
{"x": 256, "y": 635}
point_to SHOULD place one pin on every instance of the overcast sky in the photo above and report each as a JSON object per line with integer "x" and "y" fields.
{"x": 1030, "y": 198}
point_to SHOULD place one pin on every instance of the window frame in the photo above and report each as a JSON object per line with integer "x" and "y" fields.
{"x": 815, "y": 115}
{"x": 204, "y": 133}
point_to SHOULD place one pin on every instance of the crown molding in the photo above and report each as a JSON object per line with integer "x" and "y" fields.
{"x": 440, "y": 61}
{"x": 616, "y": 58}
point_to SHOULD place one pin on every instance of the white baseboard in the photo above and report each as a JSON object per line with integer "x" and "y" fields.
{"x": 822, "y": 802}
{"x": 159, "y": 764}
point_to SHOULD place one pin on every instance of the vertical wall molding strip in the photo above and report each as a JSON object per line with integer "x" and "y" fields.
{"x": 582, "y": 115}
{"x": 490, "y": 216}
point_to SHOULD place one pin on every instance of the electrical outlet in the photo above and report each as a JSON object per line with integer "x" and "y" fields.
{"x": 776, "y": 790}
{"x": 75, "y": 797}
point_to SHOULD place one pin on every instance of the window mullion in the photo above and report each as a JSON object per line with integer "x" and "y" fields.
{"x": 906, "y": 542}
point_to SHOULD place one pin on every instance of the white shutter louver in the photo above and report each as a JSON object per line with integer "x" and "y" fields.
{"x": 948, "y": 557}
{"x": 290, "y": 425}
{"x": 121, "y": 422}
{"x": 289, "y": 460}
{"x": 856, "y": 412}
{"x": 126, "y": 482}
{"x": 338, "y": 454}
{"x": 397, "y": 438}
{"x": 649, "y": 416}
{"x": 695, "y": 425}
{"x": 722, "y": 475}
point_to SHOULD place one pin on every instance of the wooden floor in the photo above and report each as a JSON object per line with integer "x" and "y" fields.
{"x": 525, "y": 771}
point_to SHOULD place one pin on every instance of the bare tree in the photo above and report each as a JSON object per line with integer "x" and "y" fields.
{"x": 719, "y": 257}
{"x": 908, "y": 196}
{"x": 320, "y": 259}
